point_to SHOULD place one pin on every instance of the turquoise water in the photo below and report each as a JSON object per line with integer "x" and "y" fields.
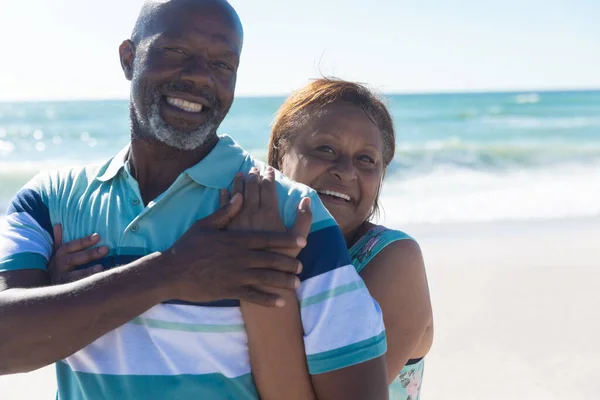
{"x": 461, "y": 157}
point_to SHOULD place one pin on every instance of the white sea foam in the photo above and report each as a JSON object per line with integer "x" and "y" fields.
{"x": 460, "y": 195}
{"x": 527, "y": 98}
{"x": 447, "y": 193}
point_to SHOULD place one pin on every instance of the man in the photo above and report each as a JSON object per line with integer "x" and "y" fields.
{"x": 119, "y": 334}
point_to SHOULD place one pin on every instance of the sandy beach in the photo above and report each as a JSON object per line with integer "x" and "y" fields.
{"x": 516, "y": 313}
{"x": 515, "y": 306}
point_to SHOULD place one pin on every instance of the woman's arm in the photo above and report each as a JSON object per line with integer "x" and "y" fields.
{"x": 279, "y": 366}
{"x": 277, "y": 356}
{"x": 396, "y": 278}
{"x": 276, "y": 337}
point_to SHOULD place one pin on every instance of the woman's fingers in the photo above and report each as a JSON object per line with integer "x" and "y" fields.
{"x": 57, "y": 229}
{"x": 69, "y": 262}
{"x": 268, "y": 191}
{"x": 78, "y": 244}
{"x": 252, "y": 192}
{"x": 303, "y": 219}
{"x": 238, "y": 184}
{"x": 224, "y": 198}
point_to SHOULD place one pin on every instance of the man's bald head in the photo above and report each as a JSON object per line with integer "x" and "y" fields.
{"x": 155, "y": 12}
{"x": 182, "y": 61}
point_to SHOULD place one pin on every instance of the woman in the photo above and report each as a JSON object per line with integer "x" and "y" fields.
{"x": 338, "y": 138}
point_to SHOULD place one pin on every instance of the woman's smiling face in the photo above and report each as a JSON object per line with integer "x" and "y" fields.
{"x": 339, "y": 153}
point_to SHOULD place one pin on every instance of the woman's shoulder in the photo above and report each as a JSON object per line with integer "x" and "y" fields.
{"x": 388, "y": 234}
{"x": 378, "y": 238}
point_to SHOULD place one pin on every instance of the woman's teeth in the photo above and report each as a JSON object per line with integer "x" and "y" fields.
{"x": 335, "y": 194}
{"x": 184, "y": 105}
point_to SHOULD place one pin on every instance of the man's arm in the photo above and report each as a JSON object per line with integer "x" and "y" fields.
{"x": 39, "y": 326}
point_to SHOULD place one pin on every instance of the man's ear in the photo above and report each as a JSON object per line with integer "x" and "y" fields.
{"x": 127, "y": 55}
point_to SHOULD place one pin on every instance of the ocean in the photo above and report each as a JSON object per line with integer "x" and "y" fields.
{"x": 460, "y": 157}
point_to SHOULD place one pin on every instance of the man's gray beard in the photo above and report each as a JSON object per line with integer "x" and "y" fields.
{"x": 156, "y": 127}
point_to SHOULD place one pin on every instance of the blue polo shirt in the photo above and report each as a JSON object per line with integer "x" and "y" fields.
{"x": 180, "y": 350}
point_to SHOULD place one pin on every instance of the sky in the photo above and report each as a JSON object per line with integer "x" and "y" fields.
{"x": 68, "y": 49}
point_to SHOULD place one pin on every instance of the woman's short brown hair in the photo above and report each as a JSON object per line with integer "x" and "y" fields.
{"x": 303, "y": 104}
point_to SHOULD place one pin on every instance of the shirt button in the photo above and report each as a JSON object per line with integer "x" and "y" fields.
{"x": 135, "y": 201}
{"x": 135, "y": 228}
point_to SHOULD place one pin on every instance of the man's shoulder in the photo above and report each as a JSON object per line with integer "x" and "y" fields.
{"x": 72, "y": 172}
{"x": 286, "y": 188}
{"x": 57, "y": 181}
{"x": 294, "y": 192}
{"x": 289, "y": 194}
{"x": 292, "y": 188}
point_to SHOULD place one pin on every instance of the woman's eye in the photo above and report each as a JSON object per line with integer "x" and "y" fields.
{"x": 367, "y": 159}
{"x": 325, "y": 149}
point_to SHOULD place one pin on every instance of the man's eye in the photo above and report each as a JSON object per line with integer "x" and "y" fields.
{"x": 174, "y": 50}
{"x": 223, "y": 65}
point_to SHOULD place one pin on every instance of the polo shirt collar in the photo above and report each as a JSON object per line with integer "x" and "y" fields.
{"x": 217, "y": 170}
{"x": 115, "y": 165}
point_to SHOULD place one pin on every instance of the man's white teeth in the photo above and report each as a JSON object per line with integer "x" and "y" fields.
{"x": 335, "y": 194}
{"x": 184, "y": 105}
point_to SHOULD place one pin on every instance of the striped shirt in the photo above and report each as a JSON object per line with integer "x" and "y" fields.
{"x": 180, "y": 350}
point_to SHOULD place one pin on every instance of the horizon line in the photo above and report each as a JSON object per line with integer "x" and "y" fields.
{"x": 384, "y": 93}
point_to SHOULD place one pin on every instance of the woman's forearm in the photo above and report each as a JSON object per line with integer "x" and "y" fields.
{"x": 277, "y": 355}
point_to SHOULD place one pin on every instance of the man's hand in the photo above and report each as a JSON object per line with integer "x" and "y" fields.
{"x": 68, "y": 256}
{"x": 260, "y": 211}
{"x": 208, "y": 263}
